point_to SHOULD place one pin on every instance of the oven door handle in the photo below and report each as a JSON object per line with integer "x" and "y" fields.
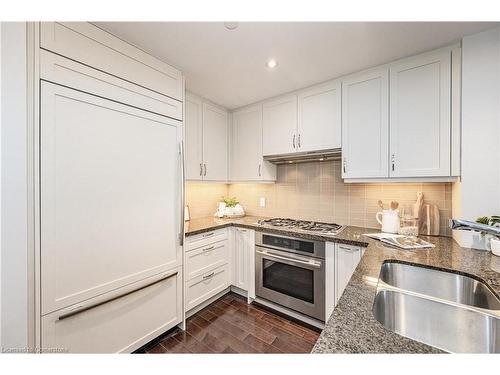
{"x": 271, "y": 255}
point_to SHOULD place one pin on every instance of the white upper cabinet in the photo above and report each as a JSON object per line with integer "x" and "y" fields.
{"x": 420, "y": 89}
{"x": 247, "y": 163}
{"x": 365, "y": 124}
{"x": 307, "y": 121}
{"x": 319, "y": 118}
{"x": 280, "y": 126}
{"x": 399, "y": 121}
{"x": 92, "y": 46}
{"x": 193, "y": 144}
{"x": 206, "y": 140}
{"x": 215, "y": 141}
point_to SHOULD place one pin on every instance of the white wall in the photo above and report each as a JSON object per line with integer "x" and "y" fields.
{"x": 14, "y": 193}
{"x": 478, "y": 194}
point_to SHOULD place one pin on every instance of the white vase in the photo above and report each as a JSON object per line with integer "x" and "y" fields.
{"x": 221, "y": 209}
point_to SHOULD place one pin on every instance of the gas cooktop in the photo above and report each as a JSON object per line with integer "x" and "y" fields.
{"x": 303, "y": 226}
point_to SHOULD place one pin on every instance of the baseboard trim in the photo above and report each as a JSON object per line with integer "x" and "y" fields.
{"x": 239, "y": 291}
{"x": 204, "y": 304}
{"x": 289, "y": 314}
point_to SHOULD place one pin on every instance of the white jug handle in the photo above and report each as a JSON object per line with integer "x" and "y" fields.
{"x": 377, "y": 217}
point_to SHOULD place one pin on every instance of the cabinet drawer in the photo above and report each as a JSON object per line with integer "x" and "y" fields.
{"x": 205, "y": 286}
{"x": 123, "y": 324}
{"x": 204, "y": 239}
{"x": 203, "y": 259}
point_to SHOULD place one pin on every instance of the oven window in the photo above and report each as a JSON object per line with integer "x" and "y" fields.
{"x": 290, "y": 280}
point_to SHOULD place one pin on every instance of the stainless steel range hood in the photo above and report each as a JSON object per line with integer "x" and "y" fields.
{"x": 303, "y": 157}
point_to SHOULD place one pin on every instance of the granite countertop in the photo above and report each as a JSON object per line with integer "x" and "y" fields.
{"x": 352, "y": 328}
{"x": 207, "y": 224}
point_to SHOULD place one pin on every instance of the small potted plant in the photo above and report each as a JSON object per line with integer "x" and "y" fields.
{"x": 231, "y": 208}
{"x": 230, "y": 205}
{"x": 493, "y": 221}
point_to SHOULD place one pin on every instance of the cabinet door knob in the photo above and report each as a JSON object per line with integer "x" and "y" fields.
{"x": 393, "y": 158}
{"x": 293, "y": 141}
{"x": 344, "y": 165}
{"x": 205, "y": 173}
{"x": 201, "y": 169}
{"x": 260, "y": 167}
{"x": 298, "y": 141}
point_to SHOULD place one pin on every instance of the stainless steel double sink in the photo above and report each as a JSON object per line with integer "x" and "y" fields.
{"x": 454, "y": 312}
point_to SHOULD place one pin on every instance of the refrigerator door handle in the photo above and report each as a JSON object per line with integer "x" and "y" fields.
{"x": 83, "y": 307}
{"x": 183, "y": 198}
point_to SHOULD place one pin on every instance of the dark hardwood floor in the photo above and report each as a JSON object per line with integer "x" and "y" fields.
{"x": 230, "y": 325}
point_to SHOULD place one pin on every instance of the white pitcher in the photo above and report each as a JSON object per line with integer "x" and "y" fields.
{"x": 389, "y": 221}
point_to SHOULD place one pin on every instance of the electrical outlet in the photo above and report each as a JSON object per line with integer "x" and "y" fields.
{"x": 262, "y": 202}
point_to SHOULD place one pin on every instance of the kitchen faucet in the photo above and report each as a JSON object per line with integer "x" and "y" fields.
{"x": 459, "y": 224}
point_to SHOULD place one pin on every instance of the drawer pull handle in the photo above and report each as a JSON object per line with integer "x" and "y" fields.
{"x": 82, "y": 308}
{"x": 208, "y": 234}
{"x": 208, "y": 276}
{"x": 208, "y": 248}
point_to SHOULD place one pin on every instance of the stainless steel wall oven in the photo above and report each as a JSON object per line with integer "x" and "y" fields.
{"x": 291, "y": 272}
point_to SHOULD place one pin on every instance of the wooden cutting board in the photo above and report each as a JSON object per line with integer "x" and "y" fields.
{"x": 429, "y": 220}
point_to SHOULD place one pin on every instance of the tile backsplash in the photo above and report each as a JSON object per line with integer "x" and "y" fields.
{"x": 315, "y": 191}
{"x": 203, "y": 198}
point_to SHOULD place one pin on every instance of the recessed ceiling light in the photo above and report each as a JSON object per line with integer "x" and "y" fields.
{"x": 231, "y": 25}
{"x": 271, "y": 64}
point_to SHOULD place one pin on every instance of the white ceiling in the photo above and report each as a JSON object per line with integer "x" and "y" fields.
{"x": 228, "y": 67}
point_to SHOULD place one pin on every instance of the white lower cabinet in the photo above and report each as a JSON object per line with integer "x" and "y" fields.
{"x": 216, "y": 260}
{"x": 347, "y": 259}
{"x": 207, "y": 285}
{"x": 206, "y": 267}
{"x": 201, "y": 260}
{"x": 243, "y": 246}
{"x": 126, "y": 322}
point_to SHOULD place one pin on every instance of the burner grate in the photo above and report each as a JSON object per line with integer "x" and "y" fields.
{"x": 304, "y": 225}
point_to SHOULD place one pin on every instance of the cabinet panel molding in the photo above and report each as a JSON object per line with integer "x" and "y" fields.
{"x": 420, "y": 110}
{"x": 365, "y": 124}
{"x": 319, "y": 117}
{"x": 88, "y": 44}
